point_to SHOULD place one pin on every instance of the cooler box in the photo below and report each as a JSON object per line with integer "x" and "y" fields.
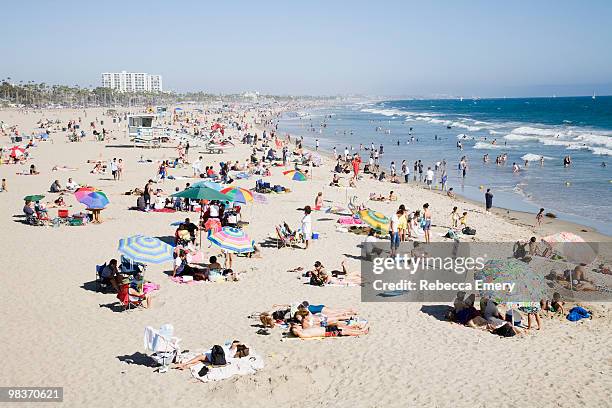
{"x": 62, "y": 213}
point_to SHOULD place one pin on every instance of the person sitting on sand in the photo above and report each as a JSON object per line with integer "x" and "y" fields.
{"x": 392, "y": 196}
{"x": 33, "y": 170}
{"x": 133, "y": 294}
{"x": 59, "y": 201}
{"x": 110, "y": 274}
{"x": 496, "y": 320}
{"x": 335, "y": 181}
{"x": 56, "y": 187}
{"x": 554, "y": 305}
{"x": 320, "y": 277}
{"x": 450, "y": 193}
{"x": 71, "y": 185}
{"x": 98, "y": 169}
{"x": 235, "y": 350}
{"x": 318, "y": 201}
{"x": 181, "y": 266}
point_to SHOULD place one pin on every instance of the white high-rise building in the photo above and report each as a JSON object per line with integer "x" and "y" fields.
{"x": 132, "y": 81}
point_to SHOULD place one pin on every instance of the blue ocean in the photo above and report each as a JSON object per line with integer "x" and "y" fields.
{"x": 535, "y": 133}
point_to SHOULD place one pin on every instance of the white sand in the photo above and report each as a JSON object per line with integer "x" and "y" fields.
{"x": 55, "y": 332}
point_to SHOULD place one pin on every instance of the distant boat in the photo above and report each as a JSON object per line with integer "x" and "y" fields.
{"x": 461, "y": 99}
{"x": 593, "y": 94}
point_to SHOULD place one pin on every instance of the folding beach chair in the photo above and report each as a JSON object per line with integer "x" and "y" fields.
{"x": 162, "y": 345}
{"x": 284, "y": 240}
{"x": 129, "y": 301}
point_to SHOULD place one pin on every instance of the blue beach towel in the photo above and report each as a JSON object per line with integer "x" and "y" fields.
{"x": 578, "y": 313}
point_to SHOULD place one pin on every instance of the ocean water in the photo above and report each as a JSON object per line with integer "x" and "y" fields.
{"x": 524, "y": 129}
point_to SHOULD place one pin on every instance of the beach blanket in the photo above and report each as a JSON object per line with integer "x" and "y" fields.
{"x": 235, "y": 366}
{"x": 578, "y": 313}
{"x": 164, "y": 210}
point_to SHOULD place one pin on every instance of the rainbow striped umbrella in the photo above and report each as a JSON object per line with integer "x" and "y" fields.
{"x": 238, "y": 194}
{"x": 295, "y": 175}
{"x": 94, "y": 200}
{"x": 375, "y": 220}
{"x": 83, "y": 191}
{"x": 143, "y": 249}
{"x": 232, "y": 240}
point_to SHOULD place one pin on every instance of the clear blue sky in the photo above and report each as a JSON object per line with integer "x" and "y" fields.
{"x": 486, "y": 48}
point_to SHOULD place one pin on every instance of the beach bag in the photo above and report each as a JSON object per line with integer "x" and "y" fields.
{"x": 217, "y": 356}
{"x": 280, "y": 314}
{"x": 468, "y": 231}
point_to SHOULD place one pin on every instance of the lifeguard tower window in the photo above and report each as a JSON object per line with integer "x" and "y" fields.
{"x": 140, "y": 121}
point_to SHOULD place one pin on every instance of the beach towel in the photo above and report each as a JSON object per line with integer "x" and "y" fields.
{"x": 235, "y": 366}
{"x": 164, "y": 210}
{"x": 578, "y": 313}
{"x": 348, "y": 220}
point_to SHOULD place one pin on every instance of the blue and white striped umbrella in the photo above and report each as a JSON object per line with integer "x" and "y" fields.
{"x": 146, "y": 250}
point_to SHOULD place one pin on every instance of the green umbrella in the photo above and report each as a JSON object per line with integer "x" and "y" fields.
{"x": 34, "y": 197}
{"x": 202, "y": 193}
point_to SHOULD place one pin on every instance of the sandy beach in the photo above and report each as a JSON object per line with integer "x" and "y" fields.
{"x": 59, "y": 331}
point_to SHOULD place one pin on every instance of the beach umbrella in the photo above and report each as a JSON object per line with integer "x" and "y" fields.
{"x": 529, "y": 287}
{"x": 239, "y": 194}
{"x": 202, "y": 193}
{"x": 83, "y": 191}
{"x": 33, "y": 197}
{"x": 143, "y": 249}
{"x": 374, "y": 219}
{"x": 94, "y": 200}
{"x": 17, "y": 151}
{"x": 295, "y": 175}
{"x": 568, "y": 246}
{"x": 209, "y": 184}
{"x": 232, "y": 240}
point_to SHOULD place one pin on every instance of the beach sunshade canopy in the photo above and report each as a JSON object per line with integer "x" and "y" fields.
{"x": 295, "y": 175}
{"x": 239, "y": 194}
{"x": 209, "y": 184}
{"x": 232, "y": 240}
{"x": 17, "y": 151}
{"x": 568, "y": 246}
{"x": 374, "y": 219}
{"x": 146, "y": 250}
{"x": 96, "y": 200}
{"x": 530, "y": 286}
{"x": 33, "y": 197}
{"x": 202, "y": 193}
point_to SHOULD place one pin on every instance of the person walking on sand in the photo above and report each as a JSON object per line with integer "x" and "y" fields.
{"x": 488, "y": 200}
{"x": 394, "y": 231}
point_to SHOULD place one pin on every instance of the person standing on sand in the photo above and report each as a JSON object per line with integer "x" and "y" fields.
{"x": 316, "y": 144}
{"x": 405, "y": 171}
{"x": 427, "y": 222}
{"x": 540, "y": 217}
{"x": 488, "y": 200}
{"x": 394, "y": 231}
{"x": 307, "y": 225}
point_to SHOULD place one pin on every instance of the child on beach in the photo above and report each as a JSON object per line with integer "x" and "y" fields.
{"x": 463, "y": 220}
{"x": 3, "y": 186}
